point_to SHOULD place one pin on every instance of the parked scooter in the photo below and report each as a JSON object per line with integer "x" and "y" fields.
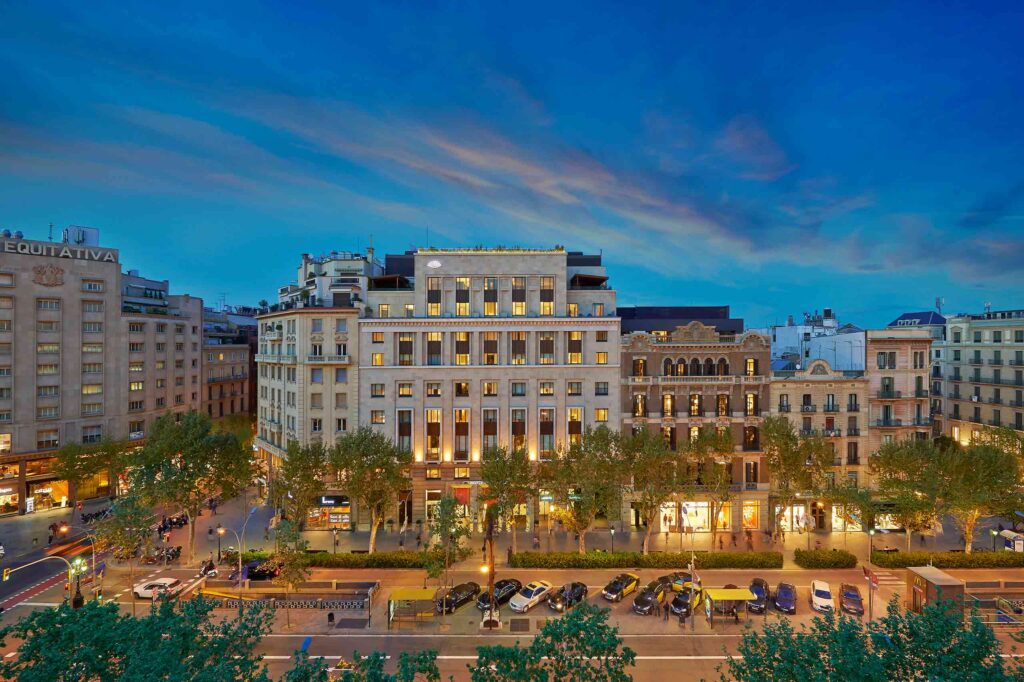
{"x": 207, "y": 570}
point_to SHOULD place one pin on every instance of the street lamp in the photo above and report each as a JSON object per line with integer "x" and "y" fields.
{"x": 334, "y": 531}
{"x": 613, "y": 540}
{"x": 995, "y": 534}
{"x": 220, "y": 534}
{"x": 65, "y": 527}
{"x": 871, "y": 543}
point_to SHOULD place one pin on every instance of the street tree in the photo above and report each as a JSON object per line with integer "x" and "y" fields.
{"x": 126, "y": 532}
{"x": 419, "y": 666}
{"x": 655, "y": 472}
{"x": 293, "y": 559}
{"x": 175, "y": 641}
{"x": 797, "y": 465}
{"x": 508, "y": 475}
{"x": 711, "y": 455}
{"x": 306, "y": 668}
{"x": 373, "y": 470}
{"x": 908, "y": 479}
{"x": 852, "y": 504}
{"x": 980, "y": 480}
{"x": 447, "y": 529}
{"x": 586, "y": 479}
{"x": 301, "y": 479}
{"x": 184, "y": 463}
{"x": 579, "y": 646}
{"x": 77, "y": 463}
{"x": 932, "y": 645}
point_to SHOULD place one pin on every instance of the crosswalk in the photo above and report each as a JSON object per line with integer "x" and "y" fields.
{"x": 887, "y": 579}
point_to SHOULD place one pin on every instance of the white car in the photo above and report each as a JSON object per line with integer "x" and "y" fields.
{"x": 158, "y": 588}
{"x": 821, "y": 596}
{"x": 531, "y": 595}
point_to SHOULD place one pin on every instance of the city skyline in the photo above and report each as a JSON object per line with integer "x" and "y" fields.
{"x": 705, "y": 175}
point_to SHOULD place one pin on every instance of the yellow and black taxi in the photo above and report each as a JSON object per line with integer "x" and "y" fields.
{"x": 651, "y": 596}
{"x": 620, "y": 586}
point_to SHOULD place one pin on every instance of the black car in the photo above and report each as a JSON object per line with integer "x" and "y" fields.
{"x": 620, "y": 586}
{"x": 680, "y": 604}
{"x": 503, "y": 591}
{"x": 850, "y": 600}
{"x": 459, "y": 595}
{"x": 567, "y": 596}
{"x": 651, "y": 596}
{"x": 759, "y": 604}
{"x": 785, "y": 598}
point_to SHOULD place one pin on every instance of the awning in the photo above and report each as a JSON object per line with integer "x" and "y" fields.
{"x": 461, "y": 495}
{"x": 720, "y": 594}
{"x": 412, "y": 594}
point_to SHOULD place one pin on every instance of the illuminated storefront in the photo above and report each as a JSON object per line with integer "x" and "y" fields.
{"x": 845, "y": 521}
{"x": 9, "y": 498}
{"x": 751, "y": 515}
{"x": 46, "y": 495}
{"x": 792, "y": 517}
{"x": 697, "y": 516}
{"x": 332, "y": 511}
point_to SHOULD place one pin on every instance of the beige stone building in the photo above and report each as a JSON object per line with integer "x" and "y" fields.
{"x": 898, "y": 364}
{"x": 821, "y": 401}
{"x": 693, "y": 377}
{"x": 983, "y": 372}
{"x": 226, "y": 380}
{"x": 86, "y": 352}
{"x": 465, "y": 349}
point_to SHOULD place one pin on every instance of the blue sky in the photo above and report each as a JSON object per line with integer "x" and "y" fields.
{"x": 776, "y": 157}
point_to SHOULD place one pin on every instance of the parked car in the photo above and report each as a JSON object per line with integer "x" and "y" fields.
{"x": 727, "y": 606}
{"x": 680, "y": 603}
{"x": 531, "y": 595}
{"x": 821, "y": 596}
{"x": 849, "y": 599}
{"x": 503, "y": 591}
{"x": 459, "y": 595}
{"x": 567, "y": 596}
{"x": 681, "y": 580}
{"x": 620, "y": 586}
{"x": 651, "y": 596}
{"x": 759, "y": 604}
{"x": 785, "y": 598}
{"x": 257, "y": 569}
{"x": 158, "y": 588}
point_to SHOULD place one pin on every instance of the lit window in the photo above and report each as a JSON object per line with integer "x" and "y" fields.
{"x": 490, "y": 388}
{"x": 602, "y": 358}
{"x": 383, "y": 310}
{"x": 601, "y": 414}
{"x": 377, "y": 337}
{"x": 376, "y": 390}
{"x": 547, "y": 388}
{"x": 377, "y": 359}
{"x": 376, "y": 416}
{"x": 404, "y": 390}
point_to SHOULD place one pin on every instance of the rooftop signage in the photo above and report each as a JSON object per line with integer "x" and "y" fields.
{"x": 58, "y": 250}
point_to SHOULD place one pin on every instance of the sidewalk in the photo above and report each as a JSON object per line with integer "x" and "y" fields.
{"x": 18, "y": 532}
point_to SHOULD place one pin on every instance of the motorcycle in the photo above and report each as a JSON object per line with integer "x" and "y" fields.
{"x": 208, "y": 570}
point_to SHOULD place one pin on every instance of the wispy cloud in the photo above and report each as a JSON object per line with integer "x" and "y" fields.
{"x": 747, "y": 144}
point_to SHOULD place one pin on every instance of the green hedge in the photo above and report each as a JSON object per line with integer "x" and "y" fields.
{"x": 948, "y": 559}
{"x": 824, "y": 558}
{"x": 408, "y": 559}
{"x": 669, "y": 560}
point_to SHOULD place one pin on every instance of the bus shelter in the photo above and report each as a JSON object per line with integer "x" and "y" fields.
{"x": 410, "y": 605}
{"x": 729, "y": 599}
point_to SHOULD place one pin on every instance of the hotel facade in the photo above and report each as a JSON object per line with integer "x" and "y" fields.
{"x": 87, "y": 352}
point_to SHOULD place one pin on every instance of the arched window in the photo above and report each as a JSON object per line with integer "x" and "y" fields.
{"x": 695, "y": 367}
{"x": 709, "y": 367}
{"x": 681, "y": 367}
{"x": 669, "y": 367}
{"x": 723, "y": 367}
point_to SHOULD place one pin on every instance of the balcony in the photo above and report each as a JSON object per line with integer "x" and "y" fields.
{"x": 999, "y": 382}
{"x": 808, "y": 433}
{"x": 889, "y": 395}
{"x": 976, "y": 420}
{"x": 922, "y": 421}
{"x": 853, "y": 432}
{"x": 1016, "y": 403}
{"x": 274, "y": 357}
{"x": 830, "y": 408}
{"x": 853, "y": 408}
{"x": 808, "y": 408}
{"x": 832, "y": 433}
{"x": 954, "y": 396}
{"x": 755, "y": 487}
{"x": 853, "y": 461}
{"x": 996, "y": 361}
{"x": 995, "y": 401}
{"x": 921, "y": 393}
{"x": 888, "y": 423}
{"x": 954, "y": 377}
{"x": 228, "y": 377}
{"x": 784, "y": 407}
{"x": 975, "y": 361}
{"x": 995, "y": 422}
{"x": 274, "y": 335}
{"x": 327, "y": 359}
{"x": 1017, "y": 362}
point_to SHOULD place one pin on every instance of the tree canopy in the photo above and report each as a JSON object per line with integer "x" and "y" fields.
{"x": 657, "y": 474}
{"x": 508, "y": 475}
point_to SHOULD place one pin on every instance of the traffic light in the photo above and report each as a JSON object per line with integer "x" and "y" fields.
{"x": 7, "y": 574}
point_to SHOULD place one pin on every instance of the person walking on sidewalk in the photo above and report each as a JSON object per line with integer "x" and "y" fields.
{"x": 734, "y": 540}
{"x": 665, "y": 608}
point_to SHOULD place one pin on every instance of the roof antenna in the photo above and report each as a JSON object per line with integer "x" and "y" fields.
{"x": 51, "y": 232}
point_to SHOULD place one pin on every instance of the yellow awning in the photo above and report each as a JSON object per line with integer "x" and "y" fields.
{"x": 729, "y": 594}
{"x": 412, "y": 594}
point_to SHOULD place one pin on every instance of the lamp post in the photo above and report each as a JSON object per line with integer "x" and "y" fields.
{"x": 871, "y": 543}
{"x": 334, "y": 532}
{"x": 220, "y": 532}
{"x": 995, "y": 534}
{"x": 613, "y": 539}
{"x": 65, "y": 527}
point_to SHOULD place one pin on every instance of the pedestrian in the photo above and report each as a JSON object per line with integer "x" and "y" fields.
{"x": 719, "y": 544}
{"x": 734, "y": 540}
{"x": 35, "y": 542}
{"x": 682, "y": 619}
{"x": 536, "y": 543}
{"x": 922, "y": 539}
{"x": 401, "y": 541}
{"x": 665, "y": 608}
{"x": 419, "y": 540}
{"x": 483, "y": 551}
{"x": 509, "y": 555}
{"x": 750, "y": 545}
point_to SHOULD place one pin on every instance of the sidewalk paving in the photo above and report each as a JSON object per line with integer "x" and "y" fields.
{"x": 22, "y": 534}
